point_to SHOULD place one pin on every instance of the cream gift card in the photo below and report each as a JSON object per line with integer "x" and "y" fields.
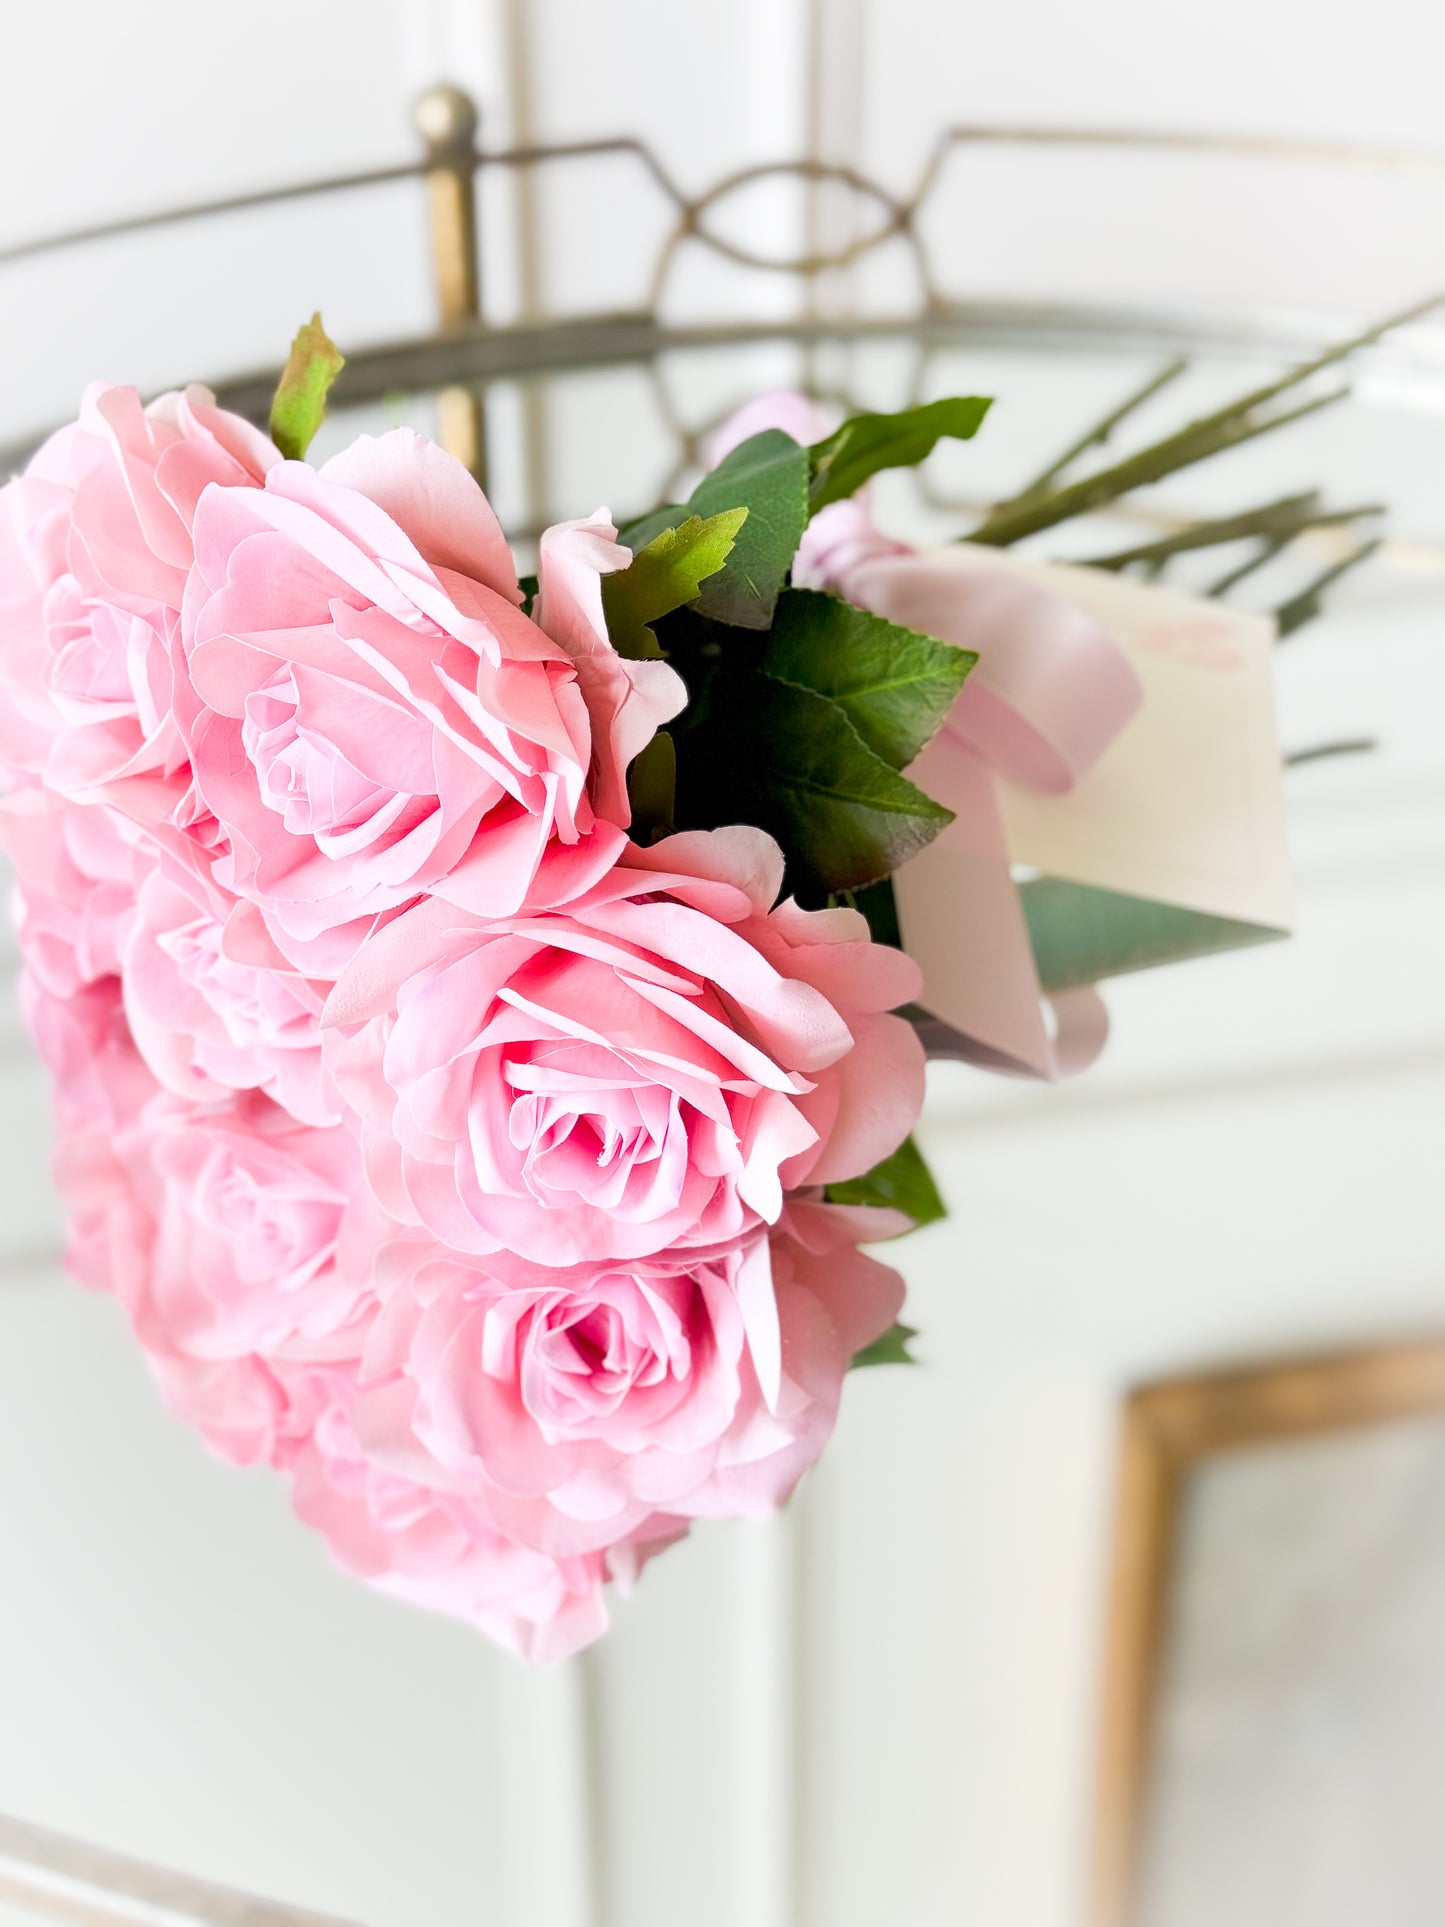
{"x": 1170, "y": 844}
{"x": 1186, "y": 806}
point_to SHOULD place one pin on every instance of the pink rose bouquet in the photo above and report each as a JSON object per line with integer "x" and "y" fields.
{"x": 482, "y": 1036}
{"x": 475, "y": 1073}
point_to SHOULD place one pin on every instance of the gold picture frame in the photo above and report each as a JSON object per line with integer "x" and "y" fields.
{"x": 1168, "y": 1427}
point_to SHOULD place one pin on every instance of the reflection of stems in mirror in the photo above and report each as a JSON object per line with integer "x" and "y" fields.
{"x": 1284, "y": 519}
{"x": 1266, "y": 552}
{"x": 1226, "y": 428}
{"x": 1317, "y": 752}
{"x": 1267, "y": 520}
{"x": 1304, "y": 607}
{"x": 1102, "y": 430}
{"x": 1197, "y": 443}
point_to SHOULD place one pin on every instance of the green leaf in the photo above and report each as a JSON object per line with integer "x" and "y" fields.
{"x": 890, "y": 1349}
{"x": 300, "y": 400}
{"x": 636, "y": 535}
{"x": 902, "y": 1182}
{"x": 652, "y": 789}
{"x": 528, "y": 585}
{"x": 665, "y": 575}
{"x": 895, "y": 685}
{"x": 768, "y": 476}
{"x": 865, "y": 444}
{"x": 791, "y": 762}
{"x": 1081, "y": 935}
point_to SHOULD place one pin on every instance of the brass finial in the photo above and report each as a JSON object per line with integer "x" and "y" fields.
{"x": 446, "y": 119}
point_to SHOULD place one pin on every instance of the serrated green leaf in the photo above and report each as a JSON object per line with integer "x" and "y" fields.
{"x": 300, "y": 400}
{"x": 901, "y": 1182}
{"x": 652, "y": 789}
{"x": 768, "y": 476}
{"x": 636, "y": 535}
{"x": 790, "y": 761}
{"x": 890, "y": 1349}
{"x": 865, "y": 444}
{"x": 895, "y": 684}
{"x": 528, "y": 585}
{"x": 665, "y": 575}
{"x": 1081, "y": 934}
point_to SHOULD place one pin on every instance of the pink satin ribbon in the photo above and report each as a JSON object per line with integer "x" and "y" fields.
{"x": 1050, "y": 692}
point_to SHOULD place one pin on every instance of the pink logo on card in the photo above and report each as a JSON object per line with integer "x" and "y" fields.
{"x": 1202, "y": 641}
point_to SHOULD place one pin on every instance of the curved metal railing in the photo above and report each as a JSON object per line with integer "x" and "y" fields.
{"x": 464, "y": 353}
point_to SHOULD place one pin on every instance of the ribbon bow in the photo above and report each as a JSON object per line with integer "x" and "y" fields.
{"x": 1050, "y": 692}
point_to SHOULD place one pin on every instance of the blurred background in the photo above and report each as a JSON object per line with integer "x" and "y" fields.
{"x": 1137, "y": 1581}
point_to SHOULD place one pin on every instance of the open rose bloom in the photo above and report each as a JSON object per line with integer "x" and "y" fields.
{"x": 450, "y": 1151}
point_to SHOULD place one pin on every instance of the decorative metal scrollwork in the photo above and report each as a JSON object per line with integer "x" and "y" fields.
{"x": 465, "y": 353}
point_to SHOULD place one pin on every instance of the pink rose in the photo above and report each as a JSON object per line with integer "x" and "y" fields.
{"x": 76, "y": 867}
{"x": 582, "y": 1407}
{"x": 208, "y": 1022}
{"x": 649, "y": 1068}
{"x": 95, "y": 548}
{"x": 373, "y": 715}
{"x": 627, "y": 701}
{"x": 437, "y": 1551}
{"x": 246, "y": 1404}
{"x": 103, "y": 1090}
{"x": 240, "y": 1243}
{"x": 264, "y": 1236}
{"x": 100, "y": 1081}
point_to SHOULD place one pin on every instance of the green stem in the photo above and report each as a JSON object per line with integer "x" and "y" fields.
{"x": 1266, "y": 552}
{"x": 1265, "y": 520}
{"x": 1286, "y": 518}
{"x": 1226, "y": 428}
{"x": 1305, "y": 606}
{"x": 1102, "y": 430}
{"x": 1193, "y": 444}
{"x": 1348, "y": 746}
